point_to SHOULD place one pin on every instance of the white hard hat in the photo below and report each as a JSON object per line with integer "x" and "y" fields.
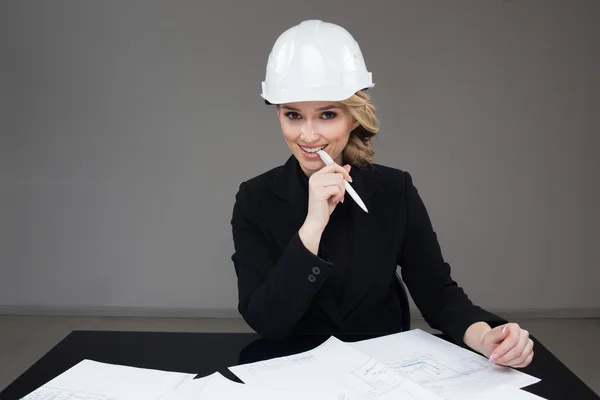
{"x": 315, "y": 61}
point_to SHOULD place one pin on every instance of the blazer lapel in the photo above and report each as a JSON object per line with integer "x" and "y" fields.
{"x": 371, "y": 235}
{"x": 286, "y": 214}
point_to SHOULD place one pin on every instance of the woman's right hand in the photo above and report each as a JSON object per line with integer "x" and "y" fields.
{"x": 325, "y": 190}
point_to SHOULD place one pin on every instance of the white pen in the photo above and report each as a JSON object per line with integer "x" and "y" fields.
{"x": 327, "y": 160}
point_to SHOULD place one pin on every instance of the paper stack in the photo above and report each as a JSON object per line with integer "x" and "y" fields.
{"x": 411, "y": 365}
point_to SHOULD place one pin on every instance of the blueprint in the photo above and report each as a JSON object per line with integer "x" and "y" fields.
{"x": 91, "y": 380}
{"x": 335, "y": 368}
{"x": 446, "y": 369}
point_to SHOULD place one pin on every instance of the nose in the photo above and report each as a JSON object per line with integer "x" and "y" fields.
{"x": 308, "y": 134}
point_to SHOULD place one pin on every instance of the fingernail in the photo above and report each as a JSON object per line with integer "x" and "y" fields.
{"x": 342, "y": 200}
{"x": 493, "y": 358}
{"x": 504, "y": 329}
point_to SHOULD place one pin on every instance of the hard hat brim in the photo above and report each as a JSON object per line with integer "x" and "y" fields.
{"x": 313, "y": 94}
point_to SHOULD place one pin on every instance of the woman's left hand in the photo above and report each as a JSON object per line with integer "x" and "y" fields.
{"x": 508, "y": 345}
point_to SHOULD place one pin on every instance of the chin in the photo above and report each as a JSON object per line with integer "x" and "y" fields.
{"x": 310, "y": 165}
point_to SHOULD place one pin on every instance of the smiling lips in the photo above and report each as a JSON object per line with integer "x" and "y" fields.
{"x": 312, "y": 150}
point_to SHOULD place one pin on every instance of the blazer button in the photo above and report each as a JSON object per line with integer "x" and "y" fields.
{"x": 316, "y": 270}
{"x": 312, "y": 278}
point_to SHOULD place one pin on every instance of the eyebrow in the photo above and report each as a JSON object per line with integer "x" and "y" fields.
{"x": 325, "y": 108}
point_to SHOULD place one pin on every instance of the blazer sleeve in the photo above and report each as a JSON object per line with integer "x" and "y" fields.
{"x": 444, "y": 305}
{"x": 273, "y": 294}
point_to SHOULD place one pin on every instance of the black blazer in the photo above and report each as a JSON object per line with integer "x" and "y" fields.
{"x": 282, "y": 285}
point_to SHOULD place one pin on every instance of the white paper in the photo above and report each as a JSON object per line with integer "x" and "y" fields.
{"x": 189, "y": 390}
{"x": 335, "y": 368}
{"x": 91, "y": 380}
{"x": 448, "y": 370}
{"x": 217, "y": 387}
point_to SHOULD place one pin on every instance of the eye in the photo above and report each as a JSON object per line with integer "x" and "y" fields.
{"x": 328, "y": 115}
{"x": 292, "y": 115}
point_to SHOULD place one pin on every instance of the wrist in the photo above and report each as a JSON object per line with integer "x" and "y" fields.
{"x": 312, "y": 228}
{"x": 474, "y": 335}
{"x": 310, "y": 236}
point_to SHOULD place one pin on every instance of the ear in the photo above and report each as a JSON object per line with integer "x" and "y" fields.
{"x": 278, "y": 111}
{"x": 355, "y": 124}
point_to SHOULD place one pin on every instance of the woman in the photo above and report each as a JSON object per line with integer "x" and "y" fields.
{"x": 307, "y": 258}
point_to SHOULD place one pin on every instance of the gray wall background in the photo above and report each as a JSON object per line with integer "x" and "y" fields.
{"x": 129, "y": 126}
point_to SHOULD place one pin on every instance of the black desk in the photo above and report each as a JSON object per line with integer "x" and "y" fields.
{"x": 205, "y": 353}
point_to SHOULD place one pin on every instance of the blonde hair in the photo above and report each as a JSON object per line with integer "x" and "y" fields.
{"x": 359, "y": 151}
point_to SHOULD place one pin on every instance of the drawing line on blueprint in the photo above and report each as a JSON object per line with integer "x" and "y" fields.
{"x": 426, "y": 369}
{"x": 379, "y": 376}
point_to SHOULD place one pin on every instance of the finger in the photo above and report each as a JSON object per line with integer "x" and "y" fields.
{"x": 328, "y": 180}
{"x": 347, "y": 168}
{"x": 526, "y": 362}
{"x": 335, "y": 168}
{"x": 330, "y": 193}
{"x": 516, "y": 351}
{"x": 510, "y": 341}
{"x": 342, "y": 186}
{"x": 523, "y": 356}
{"x": 500, "y": 333}
{"x": 340, "y": 198}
